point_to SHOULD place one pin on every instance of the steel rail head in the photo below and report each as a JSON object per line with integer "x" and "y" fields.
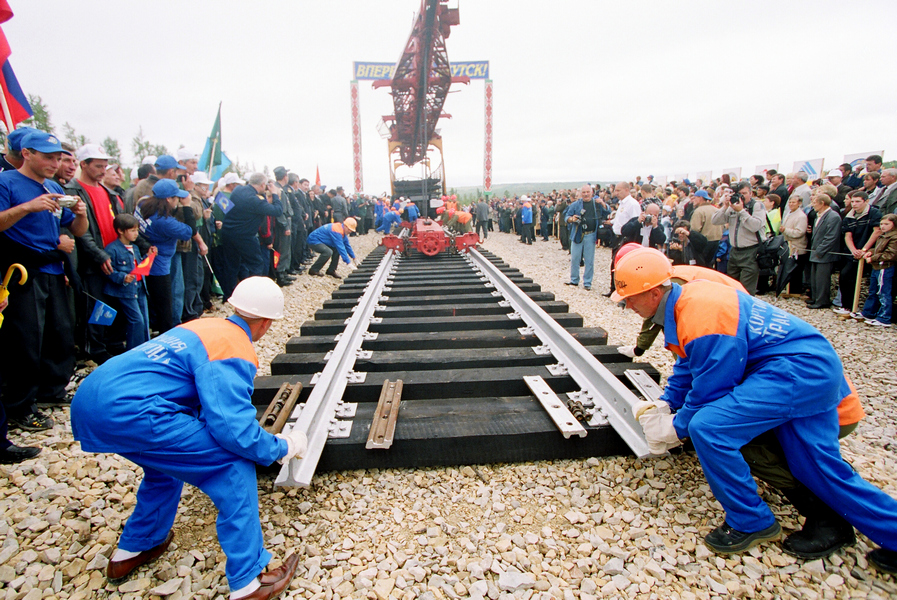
{"x": 315, "y": 417}
{"x": 613, "y": 399}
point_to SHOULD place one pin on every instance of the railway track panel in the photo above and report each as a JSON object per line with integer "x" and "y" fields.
{"x": 462, "y": 353}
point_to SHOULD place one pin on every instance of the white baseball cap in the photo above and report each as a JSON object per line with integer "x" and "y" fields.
{"x": 230, "y": 178}
{"x": 200, "y": 177}
{"x": 88, "y": 151}
{"x": 149, "y": 160}
{"x": 186, "y": 154}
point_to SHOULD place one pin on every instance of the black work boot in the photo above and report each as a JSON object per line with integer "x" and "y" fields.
{"x": 824, "y": 530}
{"x": 883, "y": 560}
{"x": 727, "y": 540}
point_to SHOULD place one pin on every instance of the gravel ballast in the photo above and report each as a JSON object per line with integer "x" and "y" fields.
{"x": 597, "y": 528}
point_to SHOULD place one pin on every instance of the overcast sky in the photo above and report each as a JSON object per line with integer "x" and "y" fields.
{"x": 584, "y": 89}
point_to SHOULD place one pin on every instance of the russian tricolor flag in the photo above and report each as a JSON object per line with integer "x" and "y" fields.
{"x": 15, "y": 104}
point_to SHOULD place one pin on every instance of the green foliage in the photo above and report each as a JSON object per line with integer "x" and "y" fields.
{"x": 72, "y": 137}
{"x": 142, "y": 147}
{"x": 111, "y": 148}
{"x": 41, "y": 119}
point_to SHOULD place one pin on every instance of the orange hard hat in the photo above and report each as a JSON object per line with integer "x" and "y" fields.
{"x": 350, "y": 223}
{"x": 640, "y": 270}
{"x": 624, "y": 250}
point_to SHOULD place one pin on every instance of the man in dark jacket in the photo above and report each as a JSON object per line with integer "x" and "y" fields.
{"x": 644, "y": 229}
{"x": 301, "y": 220}
{"x": 251, "y": 205}
{"x": 94, "y": 264}
{"x": 825, "y": 241}
{"x": 283, "y": 228}
{"x": 339, "y": 204}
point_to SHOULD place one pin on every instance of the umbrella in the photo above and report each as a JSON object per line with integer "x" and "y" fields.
{"x": 787, "y": 266}
{"x": 4, "y": 291}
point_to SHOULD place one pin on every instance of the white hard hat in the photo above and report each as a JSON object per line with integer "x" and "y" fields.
{"x": 258, "y": 297}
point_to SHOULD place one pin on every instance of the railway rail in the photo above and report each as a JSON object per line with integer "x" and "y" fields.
{"x": 448, "y": 360}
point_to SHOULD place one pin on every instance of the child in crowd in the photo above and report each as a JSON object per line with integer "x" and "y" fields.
{"x": 130, "y": 289}
{"x": 883, "y": 257}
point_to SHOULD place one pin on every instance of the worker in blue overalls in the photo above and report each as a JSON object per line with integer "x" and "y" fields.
{"x": 744, "y": 368}
{"x": 179, "y": 406}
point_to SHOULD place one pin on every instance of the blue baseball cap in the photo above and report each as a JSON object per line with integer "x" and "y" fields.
{"x": 16, "y": 136}
{"x": 166, "y": 161}
{"x": 702, "y": 194}
{"x": 166, "y": 188}
{"x": 41, "y": 141}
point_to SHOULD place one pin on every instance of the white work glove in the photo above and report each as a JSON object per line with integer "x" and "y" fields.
{"x": 657, "y": 423}
{"x": 297, "y": 444}
{"x": 646, "y": 405}
{"x": 627, "y": 351}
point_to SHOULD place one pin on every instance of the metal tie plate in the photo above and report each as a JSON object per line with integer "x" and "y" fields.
{"x": 643, "y": 382}
{"x": 559, "y": 413}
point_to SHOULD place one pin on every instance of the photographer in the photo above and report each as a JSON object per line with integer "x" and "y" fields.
{"x": 745, "y": 218}
{"x": 645, "y": 229}
{"x": 582, "y": 224}
{"x": 688, "y": 247}
{"x": 252, "y": 204}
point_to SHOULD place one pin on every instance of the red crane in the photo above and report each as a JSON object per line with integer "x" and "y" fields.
{"x": 421, "y": 82}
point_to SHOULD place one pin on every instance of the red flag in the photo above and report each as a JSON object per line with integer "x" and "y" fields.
{"x": 276, "y": 258}
{"x": 15, "y": 104}
{"x": 145, "y": 265}
{"x": 317, "y": 170}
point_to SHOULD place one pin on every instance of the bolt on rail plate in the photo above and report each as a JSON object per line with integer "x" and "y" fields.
{"x": 346, "y": 410}
{"x": 557, "y": 370}
{"x": 339, "y": 429}
{"x": 557, "y": 410}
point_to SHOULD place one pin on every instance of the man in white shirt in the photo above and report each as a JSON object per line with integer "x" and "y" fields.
{"x": 627, "y": 209}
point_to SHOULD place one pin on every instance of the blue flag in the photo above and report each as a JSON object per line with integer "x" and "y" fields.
{"x": 223, "y": 202}
{"x": 102, "y": 314}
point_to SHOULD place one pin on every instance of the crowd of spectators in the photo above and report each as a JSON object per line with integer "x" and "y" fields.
{"x": 158, "y": 253}
{"x": 775, "y": 232}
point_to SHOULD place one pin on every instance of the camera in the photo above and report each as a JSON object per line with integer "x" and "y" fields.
{"x": 584, "y": 222}
{"x": 68, "y": 201}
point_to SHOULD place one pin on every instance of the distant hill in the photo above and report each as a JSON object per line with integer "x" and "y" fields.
{"x": 517, "y": 189}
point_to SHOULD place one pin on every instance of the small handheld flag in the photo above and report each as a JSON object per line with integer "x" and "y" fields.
{"x": 276, "y": 258}
{"x": 102, "y": 314}
{"x": 145, "y": 265}
{"x": 223, "y": 202}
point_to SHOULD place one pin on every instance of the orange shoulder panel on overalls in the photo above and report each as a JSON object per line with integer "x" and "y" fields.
{"x": 705, "y": 308}
{"x": 850, "y": 410}
{"x": 223, "y": 339}
{"x": 688, "y": 273}
{"x": 338, "y": 228}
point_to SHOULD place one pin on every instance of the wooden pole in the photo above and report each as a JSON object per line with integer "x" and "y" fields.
{"x": 7, "y": 116}
{"x": 856, "y": 291}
